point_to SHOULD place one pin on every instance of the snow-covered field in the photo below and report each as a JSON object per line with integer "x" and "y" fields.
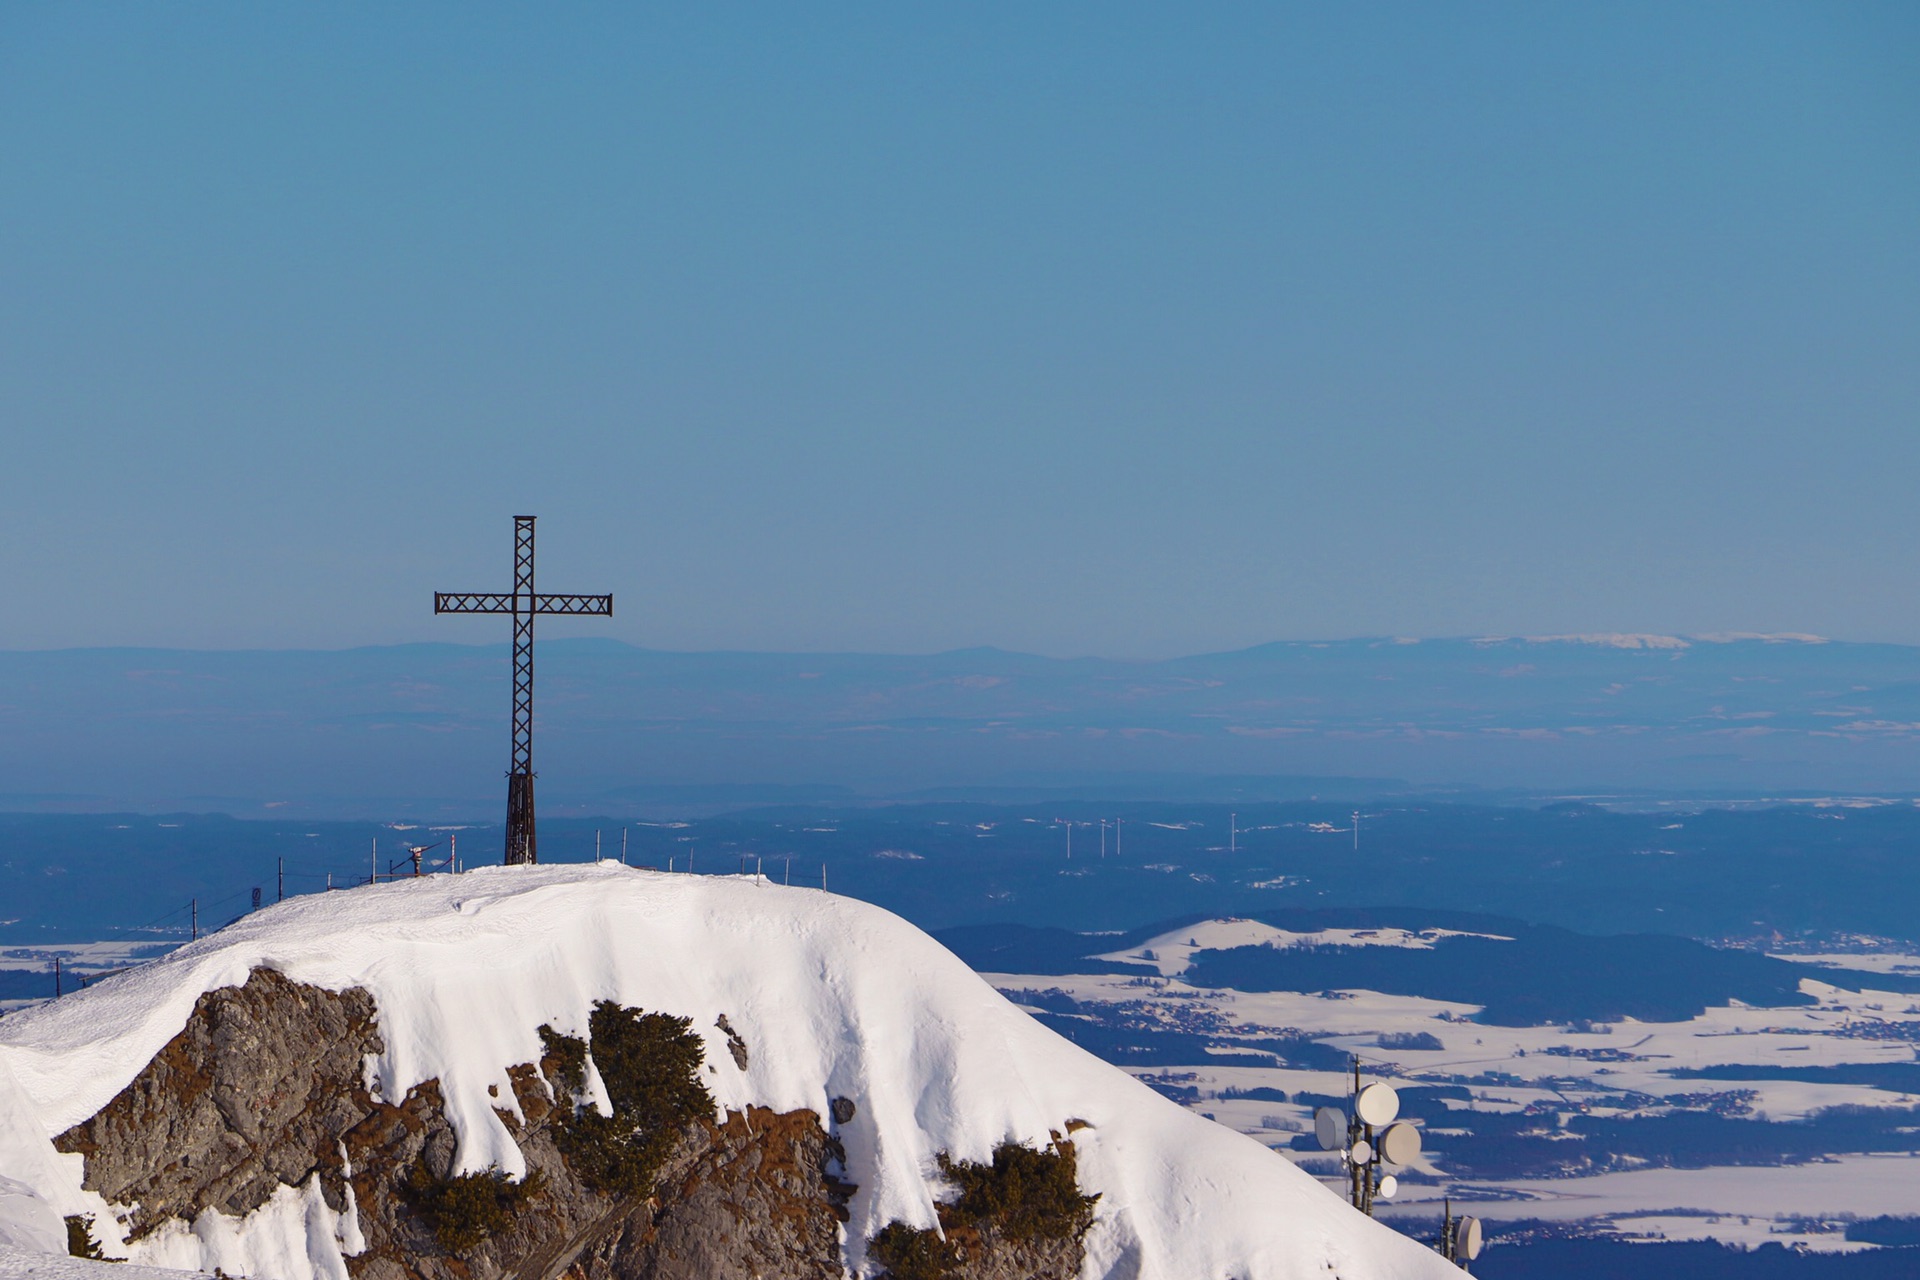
{"x": 80, "y": 962}
{"x": 1790, "y": 1204}
{"x": 1624, "y": 1069}
{"x": 836, "y": 998}
{"x": 1172, "y": 953}
{"x": 1870, "y": 961}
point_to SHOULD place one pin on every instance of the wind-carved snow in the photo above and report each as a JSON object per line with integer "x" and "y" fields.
{"x": 834, "y": 996}
{"x": 1172, "y": 952}
{"x": 32, "y": 1264}
{"x": 293, "y": 1236}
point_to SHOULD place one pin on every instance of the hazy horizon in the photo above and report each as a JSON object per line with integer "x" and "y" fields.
{"x": 1628, "y": 640}
{"x": 431, "y": 719}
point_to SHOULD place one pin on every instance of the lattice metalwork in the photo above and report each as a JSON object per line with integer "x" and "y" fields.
{"x": 524, "y": 604}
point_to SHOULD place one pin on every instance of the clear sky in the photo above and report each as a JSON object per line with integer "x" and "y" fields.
{"x": 1133, "y": 330}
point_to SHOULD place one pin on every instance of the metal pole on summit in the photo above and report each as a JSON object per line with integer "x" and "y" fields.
{"x": 279, "y": 879}
{"x": 522, "y": 604}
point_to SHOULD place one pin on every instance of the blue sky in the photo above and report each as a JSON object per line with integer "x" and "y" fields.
{"x": 1132, "y": 330}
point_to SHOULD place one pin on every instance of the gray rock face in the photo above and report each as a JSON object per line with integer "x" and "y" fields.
{"x": 264, "y": 1086}
{"x": 254, "y": 1092}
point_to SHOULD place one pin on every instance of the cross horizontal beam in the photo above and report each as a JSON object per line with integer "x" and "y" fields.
{"x": 508, "y": 602}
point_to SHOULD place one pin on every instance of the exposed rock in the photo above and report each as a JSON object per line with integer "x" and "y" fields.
{"x": 256, "y": 1091}
{"x": 265, "y": 1086}
{"x": 971, "y": 1252}
{"x": 749, "y": 1202}
{"x": 736, "y": 1043}
{"x": 989, "y": 1255}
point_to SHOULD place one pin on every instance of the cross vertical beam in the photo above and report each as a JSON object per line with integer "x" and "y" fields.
{"x": 523, "y": 603}
{"x": 522, "y": 844}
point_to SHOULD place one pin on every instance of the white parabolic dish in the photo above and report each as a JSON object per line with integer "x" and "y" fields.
{"x": 1400, "y": 1144}
{"x": 1329, "y": 1126}
{"x": 1467, "y": 1239}
{"x": 1377, "y": 1104}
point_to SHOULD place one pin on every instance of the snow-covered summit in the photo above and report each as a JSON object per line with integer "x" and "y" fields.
{"x": 837, "y": 998}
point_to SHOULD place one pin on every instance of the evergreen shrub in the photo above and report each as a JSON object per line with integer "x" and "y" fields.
{"x": 649, "y": 1064}
{"x": 465, "y": 1209}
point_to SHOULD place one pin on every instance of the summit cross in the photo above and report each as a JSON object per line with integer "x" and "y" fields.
{"x": 523, "y": 603}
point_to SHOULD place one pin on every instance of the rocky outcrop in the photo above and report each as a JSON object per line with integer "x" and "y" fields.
{"x": 256, "y": 1091}
{"x": 265, "y": 1086}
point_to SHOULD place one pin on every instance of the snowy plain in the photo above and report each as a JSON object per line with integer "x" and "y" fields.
{"x": 1552, "y": 1069}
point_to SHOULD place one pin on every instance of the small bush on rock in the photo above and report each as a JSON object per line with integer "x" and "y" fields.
{"x": 466, "y": 1209}
{"x": 650, "y": 1065}
{"x": 1024, "y": 1194}
{"x": 910, "y": 1254}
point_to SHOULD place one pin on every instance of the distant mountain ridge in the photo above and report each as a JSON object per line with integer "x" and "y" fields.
{"x": 244, "y": 729}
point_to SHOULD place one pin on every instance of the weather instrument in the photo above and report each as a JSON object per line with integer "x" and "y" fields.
{"x": 523, "y": 604}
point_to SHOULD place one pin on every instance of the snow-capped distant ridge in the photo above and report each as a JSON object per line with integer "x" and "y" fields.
{"x": 1645, "y": 640}
{"x": 1761, "y": 637}
{"x": 1614, "y": 640}
{"x": 836, "y": 998}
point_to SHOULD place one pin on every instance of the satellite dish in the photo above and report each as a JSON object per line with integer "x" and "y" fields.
{"x": 1362, "y": 1152}
{"x": 1400, "y": 1144}
{"x": 1377, "y": 1103}
{"x": 1389, "y": 1185}
{"x": 1467, "y": 1239}
{"x": 1329, "y": 1126}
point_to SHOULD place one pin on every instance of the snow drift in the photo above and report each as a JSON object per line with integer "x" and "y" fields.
{"x": 836, "y": 997}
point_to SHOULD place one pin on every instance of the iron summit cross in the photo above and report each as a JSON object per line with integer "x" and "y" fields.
{"x": 523, "y": 604}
